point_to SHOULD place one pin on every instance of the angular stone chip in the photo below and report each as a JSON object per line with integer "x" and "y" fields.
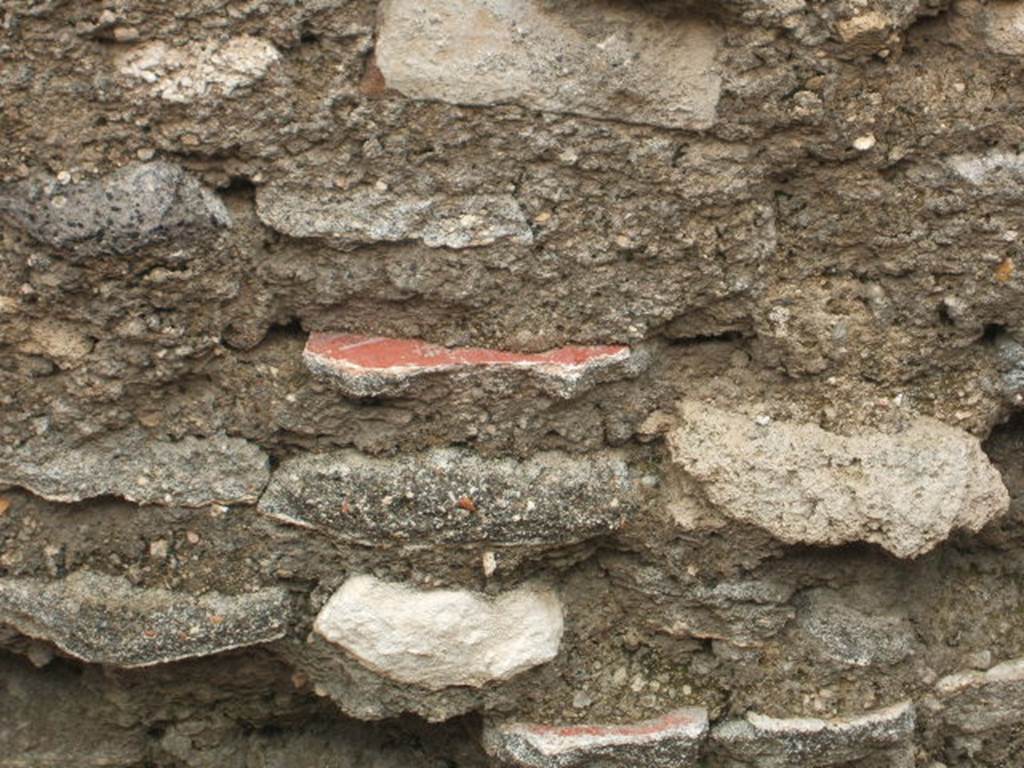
{"x": 617, "y": 61}
{"x": 106, "y": 620}
{"x": 366, "y": 366}
{"x": 453, "y": 496}
{"x": 906, "y": 492}
{"x": 674, "y": 740}
{"x": 439, "y": 638}
{"x": 192, "y": 472}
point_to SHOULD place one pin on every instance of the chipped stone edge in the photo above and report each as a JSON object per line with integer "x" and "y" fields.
{"x": 755, "y": 728}
{"x": 530, "y": 744}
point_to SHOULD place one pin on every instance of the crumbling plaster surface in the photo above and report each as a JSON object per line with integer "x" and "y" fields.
{"x": 511, "y": 382}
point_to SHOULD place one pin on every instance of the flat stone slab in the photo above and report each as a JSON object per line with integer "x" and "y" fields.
{"x": 595, "y": 58}
{"x": 438, "y": 638}
{"x": 453, "y": 496}
{"x": 106, "y": 620}
{"x": 367, "y": 366}
{"x": 365, "y": 215}
{"x": 674, "y": 740}
{"x": 906, "y": 492}
{"x": 806, "y": 742}
{"x": 131, "y": 208}
{"x": 191, "y": 472}
{"x": 975, "y": 702}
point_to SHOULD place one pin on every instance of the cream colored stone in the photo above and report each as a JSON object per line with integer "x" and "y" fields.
{"x": 442, "y": 637}
{"x": 187, "y": 73}
{"x": 906, "y": 492}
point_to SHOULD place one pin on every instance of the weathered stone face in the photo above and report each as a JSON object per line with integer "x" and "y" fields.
{"x": 293, "y": 291}
{"x": 442, "y": 638}
{"x": 998, "y": 26}
{"x": 905, "y": 492}
{"x": 188, "y": 473}
{"x": 977, "y": 702}
{"x": 369, "y": 216}
{"x": 105, "y": 620}
{"x": 596, "y": 59}
{"x": 452, "y": 496}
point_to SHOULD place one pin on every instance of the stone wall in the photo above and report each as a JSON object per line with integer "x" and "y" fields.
{"x": 592, "y": 383}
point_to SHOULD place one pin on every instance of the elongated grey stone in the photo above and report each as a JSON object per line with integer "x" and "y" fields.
{"x": 105, "y": 620}
{"x": 368, "y": 216}
{"x": 806, "y": 742}
{"x": 453, "y": 496}
{"x": 192, "y": 472}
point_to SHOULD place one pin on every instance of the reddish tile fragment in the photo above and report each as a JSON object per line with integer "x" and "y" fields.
{"x": 369, "y": 365}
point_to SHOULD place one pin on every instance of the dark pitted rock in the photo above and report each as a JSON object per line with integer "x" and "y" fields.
{"x": 453, "y": 496}
{"x": 883, "y": 737}
{"x": 192, "y": 472}
{"x": 105, "y": 620}
{"x": 671, "y": 741}
{"x": 131, "y": 208}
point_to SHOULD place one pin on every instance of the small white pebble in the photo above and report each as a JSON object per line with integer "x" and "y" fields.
{"x": 158, "y": 549}
{"x": 490, "y": 563}
{"x": 864, "y": 143}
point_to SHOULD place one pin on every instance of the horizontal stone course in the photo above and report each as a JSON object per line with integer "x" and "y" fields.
{"x": 367, "y": 215}
{"x": 132, "y": 465}
{"x": 598, "y": 59}
{"x": 974, "y": 702}
{"x": 104, "y": 619}
{"x": 453, "y": 496}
